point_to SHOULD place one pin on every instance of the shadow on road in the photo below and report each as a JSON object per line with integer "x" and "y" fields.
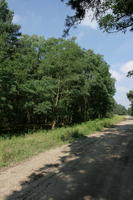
{"x": 97, "y": 168}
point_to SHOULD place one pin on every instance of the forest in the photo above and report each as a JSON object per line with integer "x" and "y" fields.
{"x": 49, "y": 82}
{"x": 62, "y": 130}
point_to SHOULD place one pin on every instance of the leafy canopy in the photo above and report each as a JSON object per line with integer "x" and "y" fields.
{"x": 51, "y": 82}
{"x": 111, "y": 15}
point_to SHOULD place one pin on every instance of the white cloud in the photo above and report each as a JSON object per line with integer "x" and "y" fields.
{"x": 121, "y": 95}
{"x": 118, "y": 76}
{"x": 122, "y": 89}
{"x": 16, "y": 18}
{"x": 122, "y": 99}
{"x": 89, "y": 21}
{"x": 127, "y": 67}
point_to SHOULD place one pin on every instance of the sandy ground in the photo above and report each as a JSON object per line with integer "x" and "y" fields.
{"x": 98, "y": 167}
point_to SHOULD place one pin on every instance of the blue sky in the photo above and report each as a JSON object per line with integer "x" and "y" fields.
{"x": 46, "y": 17}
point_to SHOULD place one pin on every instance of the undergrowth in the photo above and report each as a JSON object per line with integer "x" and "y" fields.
{"x": 17, "y": 148}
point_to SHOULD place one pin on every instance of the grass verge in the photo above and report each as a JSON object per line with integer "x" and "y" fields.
{"x": 17, "y": 148}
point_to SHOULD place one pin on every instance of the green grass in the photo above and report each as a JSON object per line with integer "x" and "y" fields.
{"x": 17, "y": 148}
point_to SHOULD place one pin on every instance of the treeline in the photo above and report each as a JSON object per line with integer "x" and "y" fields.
{"x": 49, "y": 82}
{"x": 120, "y": 109}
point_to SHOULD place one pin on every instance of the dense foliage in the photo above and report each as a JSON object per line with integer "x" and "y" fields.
{"x": 112, "y": 15}
{"x": 49, "y": 82}
{"x": 120, "y": 109}
{"x": 130, "y": 97}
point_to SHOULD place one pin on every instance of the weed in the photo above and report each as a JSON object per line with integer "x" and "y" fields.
{"x": 16, "y": 148}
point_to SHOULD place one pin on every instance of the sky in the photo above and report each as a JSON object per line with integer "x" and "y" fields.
{"x": 47, "y": 18}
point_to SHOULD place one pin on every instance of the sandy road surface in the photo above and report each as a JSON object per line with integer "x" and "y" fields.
{"x": 98, "y": 167}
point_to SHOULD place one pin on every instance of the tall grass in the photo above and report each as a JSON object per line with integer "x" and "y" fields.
{"x": 17, "y": 148}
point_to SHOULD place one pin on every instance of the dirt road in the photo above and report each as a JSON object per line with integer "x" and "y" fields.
{"x": 98, "y": 167}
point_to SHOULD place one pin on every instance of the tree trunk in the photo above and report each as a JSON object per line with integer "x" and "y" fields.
{"x": 56, "y": 103}
{"x": 53, "y": 124}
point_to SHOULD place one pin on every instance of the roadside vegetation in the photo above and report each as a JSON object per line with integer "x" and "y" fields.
{"x": 17, "y": 148}
{"x": 49, "y": 82}
{"x": 120, "y": 109}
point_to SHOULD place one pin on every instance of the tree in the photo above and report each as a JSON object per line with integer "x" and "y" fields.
{"x": 9, "y": 34}
{"x": 62, "y": 68}
{"x": 50, "y": 82}
{"x": 99, "y": 85}
{"x": 55, "y": 82}
{"x": 129, "y": 111}
{"x": 130, "y": 73}
{"x": 120, "y": 109}
{"x": 130, "y": 97}
{"x": 111, "y": 15}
